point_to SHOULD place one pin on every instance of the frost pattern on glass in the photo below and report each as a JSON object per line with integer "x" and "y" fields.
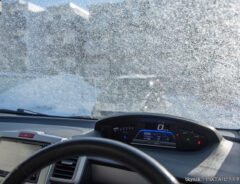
{"x": 62, "y": 94}
{"x": 178, "y": 57}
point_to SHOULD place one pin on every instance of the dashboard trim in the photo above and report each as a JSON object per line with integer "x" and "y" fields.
{"x": 39, "y": 136}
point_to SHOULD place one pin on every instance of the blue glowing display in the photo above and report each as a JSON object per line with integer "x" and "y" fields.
{"x": 160, "y": 131}
{"x": 155, "y": 138}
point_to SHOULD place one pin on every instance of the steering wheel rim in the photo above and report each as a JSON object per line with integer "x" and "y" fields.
{"x": 135, "y": 159}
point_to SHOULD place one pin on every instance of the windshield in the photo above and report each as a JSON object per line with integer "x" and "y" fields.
{"x": 100, "y": 57}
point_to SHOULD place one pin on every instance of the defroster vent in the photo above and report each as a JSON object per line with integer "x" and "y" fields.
{"x": 64, "y": 169}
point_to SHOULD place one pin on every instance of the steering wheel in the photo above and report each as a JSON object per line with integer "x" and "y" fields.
{"x": 135, "y": 159}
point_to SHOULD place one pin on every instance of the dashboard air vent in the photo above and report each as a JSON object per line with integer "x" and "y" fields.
{"x": 65, "y": 168}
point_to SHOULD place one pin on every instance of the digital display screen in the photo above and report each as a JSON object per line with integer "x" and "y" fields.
{"x": 13, "y": 153}
{"x": 155, "y": 138}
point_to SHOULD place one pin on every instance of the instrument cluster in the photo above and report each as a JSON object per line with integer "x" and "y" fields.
{"x": 158, "y": 131}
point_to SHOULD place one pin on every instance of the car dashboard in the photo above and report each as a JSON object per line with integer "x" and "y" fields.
{"x": 193, "y": 152}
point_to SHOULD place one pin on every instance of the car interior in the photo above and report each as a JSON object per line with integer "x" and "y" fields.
{"x": 119, "y": 92}
{"x": 185, "y": 148}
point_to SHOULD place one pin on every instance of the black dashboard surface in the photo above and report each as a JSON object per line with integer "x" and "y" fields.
{"x": 216, "y": 159}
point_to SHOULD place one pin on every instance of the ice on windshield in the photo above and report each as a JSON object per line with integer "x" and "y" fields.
{"x": 178, "y": 57}
{"x": 63, "y": 94}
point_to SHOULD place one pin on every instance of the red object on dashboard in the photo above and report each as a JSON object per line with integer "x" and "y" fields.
{"x": 26, "y": 135}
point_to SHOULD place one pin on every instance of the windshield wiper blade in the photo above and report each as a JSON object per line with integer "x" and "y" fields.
{"x": 21, "y": 111}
